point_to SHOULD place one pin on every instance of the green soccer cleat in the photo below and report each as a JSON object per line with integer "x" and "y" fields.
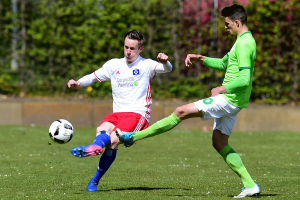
{"x": 125, "y": 137}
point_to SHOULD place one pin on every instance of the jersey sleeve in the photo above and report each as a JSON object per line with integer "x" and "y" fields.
{"x": 242, "y": 81}
{"x": 104, "y": 73}
{"x": 87, "y": 80}
{"x": 216, "y": 63}
{"x": 244, "y": 55}
{"x": 156, "y": 68}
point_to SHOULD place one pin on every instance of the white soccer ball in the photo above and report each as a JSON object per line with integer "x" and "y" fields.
{"x": 61, "y": 131}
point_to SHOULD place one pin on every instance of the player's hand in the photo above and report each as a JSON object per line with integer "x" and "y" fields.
{"x": 73, "y": 84}
{"x": 193, "y": 57}
{"x": 218, "y": 90}
{"x": 162, "y": 58}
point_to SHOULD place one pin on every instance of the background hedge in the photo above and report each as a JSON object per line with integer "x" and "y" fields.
{"x": 45, "y": 43}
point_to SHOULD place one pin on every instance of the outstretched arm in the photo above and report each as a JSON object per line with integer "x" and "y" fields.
{"x": 82, "y": 82}
{"x": 214, "y": 63}
{"x": 193, "y": 57}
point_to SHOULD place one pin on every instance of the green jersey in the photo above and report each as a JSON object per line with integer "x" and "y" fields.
{"x": 239, "y": 66}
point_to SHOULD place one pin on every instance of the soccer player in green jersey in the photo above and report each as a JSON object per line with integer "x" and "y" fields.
{"x": 225, "y": 102}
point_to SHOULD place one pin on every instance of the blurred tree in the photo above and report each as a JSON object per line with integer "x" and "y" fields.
{"x": 63, "y": 39}
{"x": 23, "y": 48}
{"x": 275, "y": 27}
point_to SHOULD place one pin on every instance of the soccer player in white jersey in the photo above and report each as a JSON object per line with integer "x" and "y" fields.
{"x": 225, "y": 102}
{"x": 130, "y": 79}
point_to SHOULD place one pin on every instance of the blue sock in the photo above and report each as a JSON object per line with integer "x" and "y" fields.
{"x": 104, "y": 163}
{"x": 102, "y": 139}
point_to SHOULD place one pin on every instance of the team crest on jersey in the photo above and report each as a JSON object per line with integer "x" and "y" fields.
{"x": 136, "y": 72}
{"x": 118, "y": 72}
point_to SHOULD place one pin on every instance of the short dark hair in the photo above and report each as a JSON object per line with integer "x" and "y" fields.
{"x": 135, "y": 35}
{"x": 235, "y": 12}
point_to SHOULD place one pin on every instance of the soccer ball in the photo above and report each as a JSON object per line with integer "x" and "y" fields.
{"x": 61, "y": 131}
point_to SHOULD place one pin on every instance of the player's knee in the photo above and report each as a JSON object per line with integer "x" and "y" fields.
{"x": 98, "y": 129}
{"x": 114, "y": 141}
{"x": 218, "y": 144}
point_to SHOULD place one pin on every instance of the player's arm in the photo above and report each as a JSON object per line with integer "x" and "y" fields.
{"x": 164, "y": 68}
{"x": 82, "y": 82}
{"x": 193, "y": 57}
{"x": 101, "y": 74}
{"x": 244, "y": 56}
{"x": 242, "y": 81}
{"x": 214, "y": 63}
{"x": 166, "y": 65}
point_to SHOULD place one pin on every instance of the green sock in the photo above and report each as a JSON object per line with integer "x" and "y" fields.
{"x": 234, "y": 161}
{"x": 159, "y": 127}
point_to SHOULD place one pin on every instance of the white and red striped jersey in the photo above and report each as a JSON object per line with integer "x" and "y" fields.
{"x": 131, "y": 83}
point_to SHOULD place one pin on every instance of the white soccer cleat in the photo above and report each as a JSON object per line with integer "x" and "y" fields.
{"x": 249, "y": 192}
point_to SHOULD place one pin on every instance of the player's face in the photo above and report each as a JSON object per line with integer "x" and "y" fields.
{"x": 230, "y": 26}
{"x": 131, "y": 50}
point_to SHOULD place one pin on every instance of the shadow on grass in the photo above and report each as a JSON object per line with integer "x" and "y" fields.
{"x": 178, "y": 195}
{"x": 141, "y": 188}
{"x": 261, "y": 195}
{"x": 132, "y": 188}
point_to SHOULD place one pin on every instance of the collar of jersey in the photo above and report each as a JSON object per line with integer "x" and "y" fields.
{"x": 244, "y": 34}
{"x": 132, "y": 64}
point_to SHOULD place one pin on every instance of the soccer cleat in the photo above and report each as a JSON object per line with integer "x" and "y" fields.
{"x": 87, "y": 150}
{"x": 92, "y": 186}
{"x": 249, "y": 192}
{"x": 125, "y": 137}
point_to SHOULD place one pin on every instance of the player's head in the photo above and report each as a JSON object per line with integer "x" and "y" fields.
{"x": 135, "y": 35}
{"x": 235, "y": 17}
{"x": 133, "y": 45}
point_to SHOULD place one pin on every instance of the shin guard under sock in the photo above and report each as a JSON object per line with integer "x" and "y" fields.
{"x": 104, "y": 163}
{"x": 234, "y": 161}
{"x": 159, "y": 127}
{"x": 102, "y": 139}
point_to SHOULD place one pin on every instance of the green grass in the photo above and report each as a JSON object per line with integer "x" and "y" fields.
{"x": 180, "y": 164}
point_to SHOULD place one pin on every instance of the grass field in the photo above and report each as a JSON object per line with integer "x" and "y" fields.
{"x": 180, "y": 164}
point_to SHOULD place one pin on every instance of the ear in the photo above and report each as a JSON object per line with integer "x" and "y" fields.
{"x": 237, "y": 23}
{"x": 141, "y": 48}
